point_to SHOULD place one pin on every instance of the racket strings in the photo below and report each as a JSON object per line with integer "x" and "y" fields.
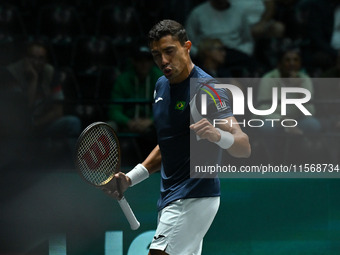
{"x": 98, "y": 155}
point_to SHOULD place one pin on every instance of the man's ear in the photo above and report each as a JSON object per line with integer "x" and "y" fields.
{"x": 188, "y": 45}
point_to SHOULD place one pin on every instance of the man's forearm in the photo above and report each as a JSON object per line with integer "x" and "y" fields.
{"x": 142, "y": 171}
{"x": 153, "y": 161}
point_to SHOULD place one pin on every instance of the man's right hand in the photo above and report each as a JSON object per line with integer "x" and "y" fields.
{"x": 117, "y": 186}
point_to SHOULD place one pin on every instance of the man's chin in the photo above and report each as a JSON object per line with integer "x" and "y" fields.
{"x": 168, "y": 76}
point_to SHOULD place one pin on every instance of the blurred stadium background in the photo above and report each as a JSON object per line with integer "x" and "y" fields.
{"x": 42, "y": 198}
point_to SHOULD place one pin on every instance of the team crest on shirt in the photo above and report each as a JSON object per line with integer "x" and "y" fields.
{"x": 180, "y": 105}
{"x": 221, "y": 106}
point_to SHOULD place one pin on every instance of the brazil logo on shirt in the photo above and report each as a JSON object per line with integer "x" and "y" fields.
{"x": 180, "y": 105}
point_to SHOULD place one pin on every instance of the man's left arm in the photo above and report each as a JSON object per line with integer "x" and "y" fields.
{"x": 228, "y": 136}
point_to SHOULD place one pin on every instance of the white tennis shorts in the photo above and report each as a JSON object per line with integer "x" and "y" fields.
{"x": 183, "y": 224}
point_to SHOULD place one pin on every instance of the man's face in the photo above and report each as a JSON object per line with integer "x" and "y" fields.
{"x": 290, "y": 64}
{"x": 143, "y": 66}
{"x": 37, "y": 57}
{"x": 171, "y": 57}
{"x": 217, "y": 53}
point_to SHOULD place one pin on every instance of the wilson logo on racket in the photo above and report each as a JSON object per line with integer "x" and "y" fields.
{"x": 98, "y": 152}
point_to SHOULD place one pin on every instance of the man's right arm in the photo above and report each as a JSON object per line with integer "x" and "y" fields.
{"x": 153, "y": 161}
{"x": 138, "y": 174}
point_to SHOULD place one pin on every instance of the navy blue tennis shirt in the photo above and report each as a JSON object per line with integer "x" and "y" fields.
{"x": 171, "y": 111}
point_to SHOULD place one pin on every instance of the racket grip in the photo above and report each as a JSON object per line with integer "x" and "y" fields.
{"x": 130, "y": 216}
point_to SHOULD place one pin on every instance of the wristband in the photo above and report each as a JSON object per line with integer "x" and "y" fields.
{"x": 227, "y": 139}
{"x": 138, "y": 174}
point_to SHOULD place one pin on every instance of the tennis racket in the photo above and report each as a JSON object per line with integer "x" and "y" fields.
{"x": 97, "y": 159}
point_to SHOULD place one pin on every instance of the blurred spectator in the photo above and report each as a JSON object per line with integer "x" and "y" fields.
{"x": 333, "y": 72}
{"x": 120, "y": 20}
{"x": 286, "y": 13}
{"x": 60, "y": 22}
{"x": 137, "y": 83}
{"x": 335, "y": 41}
{"x": 260, "y": 17}
{"x": 151, "y": 11}
{"x": 317, "y": 18}
{"x": 211, "y": 56}
{"x": 265, "y": 29}
{"x": 171, "y": 10}
{"x": 11, "y": 23}
{"x": 328, "y": 94}
{"x": 41, "y": 87}
{"x": 13, "y": 119}
{"x": 287, "y": 73}
{"x": 227, "y": 22}
{"x": 328, "y": 91}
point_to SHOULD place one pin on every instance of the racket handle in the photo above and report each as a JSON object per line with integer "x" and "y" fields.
{"x": 130, "y": 216}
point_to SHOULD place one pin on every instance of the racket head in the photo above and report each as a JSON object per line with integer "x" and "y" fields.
{"x": 97, "y": 156}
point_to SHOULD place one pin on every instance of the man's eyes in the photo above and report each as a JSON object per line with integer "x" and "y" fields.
{"x": 167, "y": 52}
{"x": 156, "y": 55}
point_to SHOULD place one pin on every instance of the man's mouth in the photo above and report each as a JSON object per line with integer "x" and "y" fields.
{"x": 167, "y": 71}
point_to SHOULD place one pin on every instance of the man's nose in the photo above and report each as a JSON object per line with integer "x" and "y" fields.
{"x": 165, "y": 60}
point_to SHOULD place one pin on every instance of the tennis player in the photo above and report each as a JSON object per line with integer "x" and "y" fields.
{"x": 187, "y": 206}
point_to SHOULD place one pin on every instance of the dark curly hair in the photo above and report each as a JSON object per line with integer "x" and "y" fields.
{"x": 168, "y": 27}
